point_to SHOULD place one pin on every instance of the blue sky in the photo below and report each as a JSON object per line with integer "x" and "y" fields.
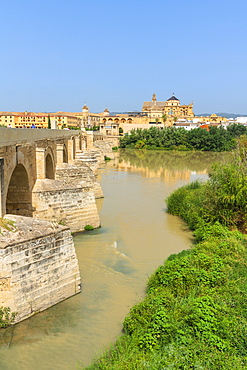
{"x": 57, "y": 55}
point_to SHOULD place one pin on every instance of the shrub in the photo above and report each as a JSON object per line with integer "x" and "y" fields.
{"x": 88, "y": 227}
{"x": 6, "y": 317}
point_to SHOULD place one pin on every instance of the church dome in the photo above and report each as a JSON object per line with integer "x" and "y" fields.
{"x": 173, "y": 98}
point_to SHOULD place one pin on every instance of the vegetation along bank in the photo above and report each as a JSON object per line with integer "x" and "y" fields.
{"x": 214, "y": 139}
{"x": 194, "y": 315}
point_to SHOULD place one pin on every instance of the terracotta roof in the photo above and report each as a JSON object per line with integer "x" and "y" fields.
{"x": 8, "y": 114}
{"x": 206, "y": 127}
{"x": 149, "y": 104}
{"x": 156, "y": 107}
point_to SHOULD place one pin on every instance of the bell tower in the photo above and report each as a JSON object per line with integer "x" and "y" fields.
{"x": 154, "y": 99}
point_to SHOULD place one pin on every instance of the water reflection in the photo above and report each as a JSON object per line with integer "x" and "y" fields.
{"x": 171, "y": 165}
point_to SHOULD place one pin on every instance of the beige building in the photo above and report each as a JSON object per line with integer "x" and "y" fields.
{"x": 58, "y": 120}
{"x": 107, "y": 125}
{"x": 7, "y": 119}
{"x": 61, "y": 120}
{"x": 89, "y": 120}
{"x": 213, "y": 119}
{"x": 154, "y": 113}
{"x": 167, "y": 111}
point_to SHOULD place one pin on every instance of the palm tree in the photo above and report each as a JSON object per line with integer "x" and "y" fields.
{"x": 164, "y": 117}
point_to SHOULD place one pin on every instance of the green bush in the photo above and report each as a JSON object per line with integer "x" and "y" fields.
{"x": 6, "y": 317}
{"x": 88, "y": 227}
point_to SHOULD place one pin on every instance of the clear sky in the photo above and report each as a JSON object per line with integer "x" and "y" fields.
{"x": 57, "y": 55}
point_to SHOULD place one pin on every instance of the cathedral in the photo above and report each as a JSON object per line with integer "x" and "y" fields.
{"x": 168, "y": 111}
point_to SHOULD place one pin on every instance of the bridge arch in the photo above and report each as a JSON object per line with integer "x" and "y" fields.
{"x": 49, "y": 164}
{"x": 49, "y": 168}
{"x": 65, "y": 154}
{"x": 80, "y": 142}
{"x": 73, "y": 147}
{"x": 19, "y": 195}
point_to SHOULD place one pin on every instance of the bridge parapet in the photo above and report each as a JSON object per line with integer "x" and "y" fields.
{"x": 10, "y": 136}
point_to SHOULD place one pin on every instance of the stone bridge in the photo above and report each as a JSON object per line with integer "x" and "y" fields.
{"x": 50, "y": 174}
{"x": 45, "y": 175}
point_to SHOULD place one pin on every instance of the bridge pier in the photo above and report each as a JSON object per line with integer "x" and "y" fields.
{"x": 40, "y": 163}
{"x": 60, "y": 153}
{"x": 71, "y": 150}
{"x": 39, "y": 267}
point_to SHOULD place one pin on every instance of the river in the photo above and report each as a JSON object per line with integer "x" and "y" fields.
{"x": 115, "y": 261}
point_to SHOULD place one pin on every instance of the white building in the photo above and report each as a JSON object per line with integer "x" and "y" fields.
{"x": 242, "y": 120}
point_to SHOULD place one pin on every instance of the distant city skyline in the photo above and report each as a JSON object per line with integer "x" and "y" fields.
{"x": 56, "y": 56}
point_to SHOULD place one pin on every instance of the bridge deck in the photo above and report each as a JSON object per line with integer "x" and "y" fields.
{"x": 10, "y": 136}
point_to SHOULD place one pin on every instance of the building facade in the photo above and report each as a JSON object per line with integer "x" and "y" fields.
{"x": 57, "y": 120}
{"x": 168, "y": 111}
{"x": 154, "y": 113}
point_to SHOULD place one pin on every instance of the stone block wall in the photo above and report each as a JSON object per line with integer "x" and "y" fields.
{"x": 92, "y": 158}
{"x": 105, "y": 147}
{"x": 79, "y": 171}
{"x": 38, "y": 265}
{"x": 71, "y": 203}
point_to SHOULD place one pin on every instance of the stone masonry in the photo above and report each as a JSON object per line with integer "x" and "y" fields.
{"x": 38, "y": 265}
{"x": 68, "y": 203}
{"x": 52, "y": 180}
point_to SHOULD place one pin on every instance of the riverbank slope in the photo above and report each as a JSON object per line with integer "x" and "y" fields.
{"x": 195, "y": 311}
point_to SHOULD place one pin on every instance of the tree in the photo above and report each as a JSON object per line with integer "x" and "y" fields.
{"x": 49, "y": 122}
{"x": 164, "y": 118}
{"x": 226, "y": 191}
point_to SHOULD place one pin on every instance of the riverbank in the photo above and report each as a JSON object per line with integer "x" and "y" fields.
{"x": 195, "y": 312}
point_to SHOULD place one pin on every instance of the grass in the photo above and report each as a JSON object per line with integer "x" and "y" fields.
{"x": 7, "y": 225}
